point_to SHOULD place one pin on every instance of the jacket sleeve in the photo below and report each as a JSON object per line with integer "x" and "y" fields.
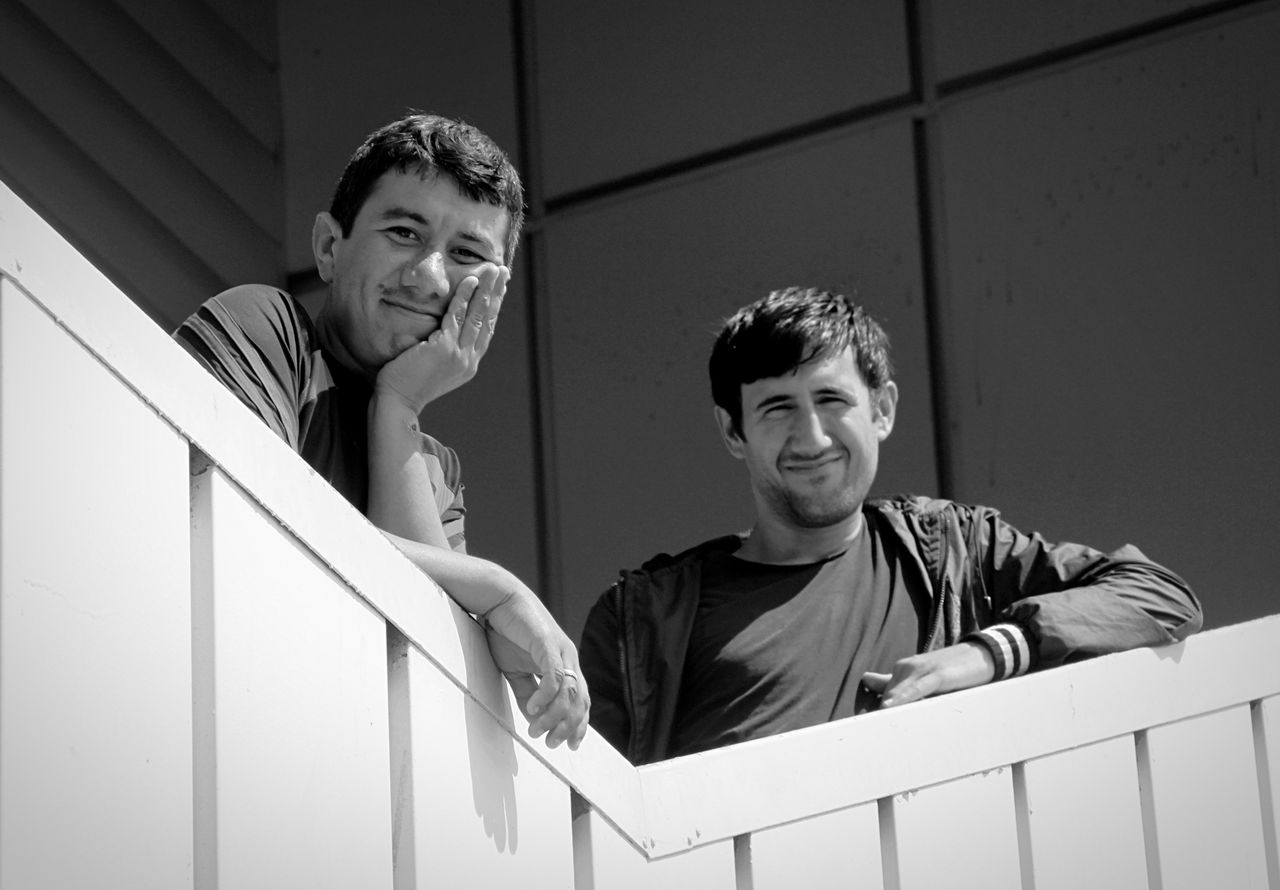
{"x": 600, "y": 655}
{"x": 1074, "y": 601}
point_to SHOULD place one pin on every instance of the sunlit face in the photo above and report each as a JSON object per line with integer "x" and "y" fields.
{"x": 392, "y": 276}
{"x": 811, "y": 440}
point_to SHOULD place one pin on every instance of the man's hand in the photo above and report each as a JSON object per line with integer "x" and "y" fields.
{"x": 933, "y": 673}
{"x": 451, "y": 355}
{"x": 526, "y": 644}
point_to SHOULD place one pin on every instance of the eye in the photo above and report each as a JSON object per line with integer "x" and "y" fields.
{"x": 402, "y": 234}
{"x": 466, "y": 255}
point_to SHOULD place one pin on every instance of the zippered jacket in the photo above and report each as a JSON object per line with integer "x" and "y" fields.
{"x": 1069, "y": 601}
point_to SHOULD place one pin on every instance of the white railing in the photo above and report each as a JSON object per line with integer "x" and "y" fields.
{"x": 215, "y": 673}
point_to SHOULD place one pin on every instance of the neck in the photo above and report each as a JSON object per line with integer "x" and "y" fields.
{"x": 332, "y": 344}
{"x": 777, "y": 543}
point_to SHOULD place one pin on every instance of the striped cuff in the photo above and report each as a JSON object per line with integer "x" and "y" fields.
{"x": 1008, "y": 645}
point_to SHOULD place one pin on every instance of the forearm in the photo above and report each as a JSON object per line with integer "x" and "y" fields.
{"x": 479, "y": 586}
{"x": 1076, "y": 601}
{"x": 401, "y": 495}
{"x": 528, "y": 646}
{"x": 1123, "y": 608}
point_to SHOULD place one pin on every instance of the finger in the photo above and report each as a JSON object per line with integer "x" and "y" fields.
{"x": 900, "y": 695}
{"x": 875, "y": 682}
{"x": 477, "y": 308}
{"x": 574, "y": 729}
{"x": 496, "y": 294}
{"x": 542, "y": 699}
{"x": 524, "y": 686}
{"x": 566, "y": 709}
{"x": 455, "y": 316}
{"x": 909, "y": 690}
{"x": 580, "y": 731}
{"x": 571, "y": 728}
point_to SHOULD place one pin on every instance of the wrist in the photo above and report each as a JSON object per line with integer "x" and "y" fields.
{"x": 502, "y": 587}
{"x": 1009, "y": 647}
{"x": 390, "y": 404}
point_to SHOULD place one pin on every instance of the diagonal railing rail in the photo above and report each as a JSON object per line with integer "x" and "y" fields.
{"x": 215, "y": 673}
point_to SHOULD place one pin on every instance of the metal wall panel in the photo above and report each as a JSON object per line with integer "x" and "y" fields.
{"x": 980, "y": 34}
{"x": 1112, "y": 283}
{"x": 625, "y": 88}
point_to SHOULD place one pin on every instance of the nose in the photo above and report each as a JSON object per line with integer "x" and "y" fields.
{"x": 426, "y": 273}
{"x": 808, "y": 433}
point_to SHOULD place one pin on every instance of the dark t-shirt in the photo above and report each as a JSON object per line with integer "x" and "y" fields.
{"x": 780, "y": 647}
{"x": 259, "y": 342}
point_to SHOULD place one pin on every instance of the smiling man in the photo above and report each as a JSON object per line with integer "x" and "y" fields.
{"x": 415, "y": 248}
{"x": 832, "y": 604}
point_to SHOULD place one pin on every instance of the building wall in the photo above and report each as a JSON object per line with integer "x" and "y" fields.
{"x": 1067, "y": 215}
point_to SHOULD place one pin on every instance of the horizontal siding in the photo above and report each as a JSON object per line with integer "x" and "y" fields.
{"x": 162, "y": 91}
{"x": 114, "y": 230}
{"x": 216, "y": 56}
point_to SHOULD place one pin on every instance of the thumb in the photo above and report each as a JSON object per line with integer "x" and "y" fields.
{"x": 544, "y": 694}
{"x": 876, "y": 682}
{"x": 523, "y": 685}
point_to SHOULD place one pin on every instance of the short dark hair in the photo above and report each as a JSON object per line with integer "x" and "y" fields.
{"x": 431, "y": 144}
{"x": 786, "y": 329}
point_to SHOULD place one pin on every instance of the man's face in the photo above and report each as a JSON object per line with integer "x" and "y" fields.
{"x": 811, "y": 440}
{"x": 392, "y": 276}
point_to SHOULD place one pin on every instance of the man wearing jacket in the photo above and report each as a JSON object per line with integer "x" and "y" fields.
{"x": 833, "y": 604}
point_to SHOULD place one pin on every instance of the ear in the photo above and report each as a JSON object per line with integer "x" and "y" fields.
{"x": 732, "y": 440}
{"x": 884, "y": 405}
{"x": 325, "y": 235}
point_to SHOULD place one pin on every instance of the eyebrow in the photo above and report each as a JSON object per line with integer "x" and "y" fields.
{"x": 770, "y": 401}
{"x": 836, "y": 390}
{"x": 405, "y": 213}
{"x": 784, "y": 398}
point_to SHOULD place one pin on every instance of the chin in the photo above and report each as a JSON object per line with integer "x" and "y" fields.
{"x": 813, "y": 513}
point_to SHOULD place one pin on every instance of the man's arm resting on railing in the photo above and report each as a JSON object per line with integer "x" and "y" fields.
{"x": 523, "y": 637}
{"x": 1055, "y": 603}
{"x": 949, "y": 669}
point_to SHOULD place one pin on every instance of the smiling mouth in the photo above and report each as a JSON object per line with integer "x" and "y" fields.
{"x": 809, "y": 466}
{"x": 415, "y": 311}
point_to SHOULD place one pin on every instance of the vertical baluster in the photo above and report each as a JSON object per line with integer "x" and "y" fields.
{"x": 298, "y": 731}
{"x": 1201, "y": 810}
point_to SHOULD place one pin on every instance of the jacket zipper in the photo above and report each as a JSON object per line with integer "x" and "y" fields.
{"x": 625, "y": 674}
{"x": 940, "y": 604}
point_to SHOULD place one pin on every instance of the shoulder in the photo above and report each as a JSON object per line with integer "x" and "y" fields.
{"x": 250, "y": 315}
{"x": 254, "y": 309}
{"x": 927, "y": 510}
{"x": 665, "y": 562}
{"x": 661, "y": 572}
{"x": 657, "y": 588}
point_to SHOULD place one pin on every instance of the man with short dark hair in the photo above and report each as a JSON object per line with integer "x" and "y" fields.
{"x": 833, "y": 604}
{"x": 416, "y": 250}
